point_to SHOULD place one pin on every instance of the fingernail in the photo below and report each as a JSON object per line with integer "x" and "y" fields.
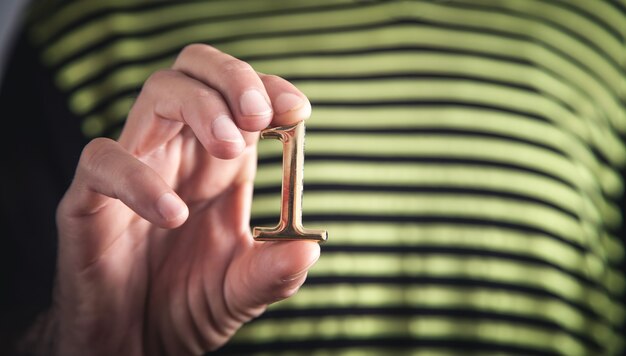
{"x": 286, "y": 102}
{"x": 295, "y": 276}
{"x": 302, "y": 272}
{"x": 253, "y": 103}
{"x": 224, "y": 129}
{"x": 170, "y": 206}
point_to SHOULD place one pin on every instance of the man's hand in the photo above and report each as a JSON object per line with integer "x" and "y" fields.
{"x": 155, "y": 252}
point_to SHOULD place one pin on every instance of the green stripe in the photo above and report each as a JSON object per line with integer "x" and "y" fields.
{"x": 615, "y": 251}
{"x": 472, "y": 119}
{"x": 476, "y": 18}
{"x": 462, "y": 176}
{"x": 371, "y": 351}
{"x": 390, "y": 63}
{"x": 449, "y": 205}
{"x": 573, "y": 172}
{"x": 608, "y": 102}
{"x": 115, "y": 113}
{"x": 591, "y": 265}
{"x": 87, "y": 98}
{"x": 457, "y": 64}
{"x": 133, "y": 76}
{"x": 155, "y": 19}
{"x": 596, "y": 211}
{"x": 456, "y": 90}
{"x": 52, "y": 24}
{"x": 603, "y": 11}
{"x": 419, "y": 327}
{"x": 463, "y": 91}
{"x": 480, "y": 238}
{"x": 472, "y": 267}
{"x": 597, "y": 108}
{"x": 80, "y": 70}
{"x": 483, "y": 148}
{"x": 552, "y": 13}
{"x": 125, "y": 48}
{"x": 445, "y": 14}
{"x": 455, "y": 298}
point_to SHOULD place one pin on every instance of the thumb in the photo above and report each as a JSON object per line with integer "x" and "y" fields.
{"x": 269, "y": 272}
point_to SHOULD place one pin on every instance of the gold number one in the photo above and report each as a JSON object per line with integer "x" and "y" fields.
{"x": 290, "y": 225}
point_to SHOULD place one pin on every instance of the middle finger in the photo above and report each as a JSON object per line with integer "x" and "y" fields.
{"x": 238, "y": 83}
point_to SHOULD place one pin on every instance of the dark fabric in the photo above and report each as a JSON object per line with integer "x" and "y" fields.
{"x": 41, "y": 143}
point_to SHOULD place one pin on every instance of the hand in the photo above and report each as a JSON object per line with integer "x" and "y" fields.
{"x": 155, "y": 251}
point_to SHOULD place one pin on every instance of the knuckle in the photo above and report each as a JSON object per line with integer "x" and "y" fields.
{"x": 202, "y": 93}
{"x": 138, "y": 175}
{"x": 272, "y": 79}
{"x": 95, "y": 154}
{"x": 161, "y": 74}
{"x": 157, "y": 78}
{"x": 235, "y": 67}
{"x": 188, "y": 49}
{"x": 196, "y": 47}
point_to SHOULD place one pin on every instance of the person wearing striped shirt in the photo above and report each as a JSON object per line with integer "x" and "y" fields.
{"x": 466, "y": 157}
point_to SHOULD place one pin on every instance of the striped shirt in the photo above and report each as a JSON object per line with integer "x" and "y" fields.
{"x": 466, "y": 157}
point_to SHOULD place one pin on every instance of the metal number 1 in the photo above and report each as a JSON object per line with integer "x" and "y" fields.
{"x": 290, "y": 225}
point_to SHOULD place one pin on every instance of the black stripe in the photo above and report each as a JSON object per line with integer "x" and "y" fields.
{"x": 419, "y": 190}
{"x": 390, "y": 49}
{"x": 391, "y": 345}
{"x": 399, "y": 103}
{"x": 466, "y": 105}
{"x": 622, "y": 329}
{"x": 435, "y": 160}
{"x": 467, "y": 253}
{"x": 447, "y": 103}
{"x": 591, "y": 16}
{"x": 274, "y": 160}
{"x": 554, "y": 25}
{"x": 383, "y": 76}
{"x": 62, "y": 5}
{"x": 335, "y": 53}
{"x": 457, "y": 283}
{"x": 458, "y": 314}
{"x": 215, "y": 19}
{"x": 293, "y": 33}
{"x": 442, "y": 77}
{"x": 430, "y": 102}
{"x": 433, "y": 131}
{"x": 422, "y": 220}
{"x": 430, "y": 131}
{"x": 105, "y": 101}
{"x": 143, "y": 6}
{"x": 537, "y": 40}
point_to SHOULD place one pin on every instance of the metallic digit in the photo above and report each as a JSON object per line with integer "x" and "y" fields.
{"x": 290, "y": 225}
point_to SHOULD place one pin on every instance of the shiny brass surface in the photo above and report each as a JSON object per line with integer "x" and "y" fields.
{"x": 290, "y": 225}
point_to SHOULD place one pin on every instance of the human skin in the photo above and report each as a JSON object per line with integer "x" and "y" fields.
{"x": 155, "y": 251}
